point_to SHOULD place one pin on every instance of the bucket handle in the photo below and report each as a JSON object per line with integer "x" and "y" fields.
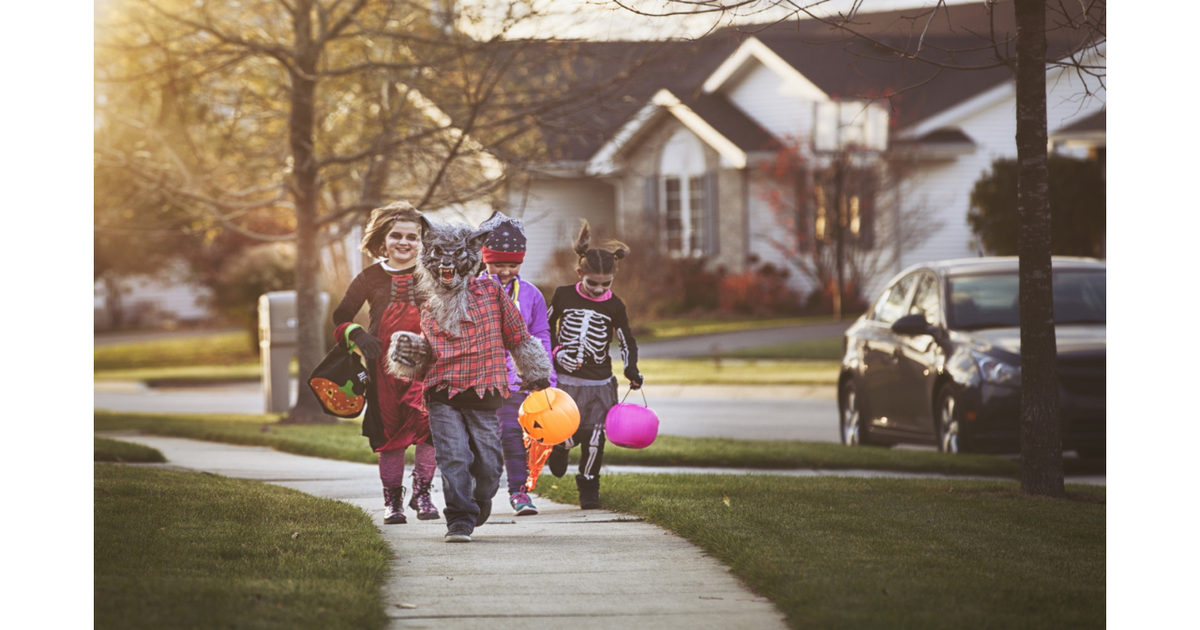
{"x": 642, "y": 391}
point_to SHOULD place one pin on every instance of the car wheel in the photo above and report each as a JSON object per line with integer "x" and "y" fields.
{"x": 948, "y": 427}
{"x": 851, "y": 418}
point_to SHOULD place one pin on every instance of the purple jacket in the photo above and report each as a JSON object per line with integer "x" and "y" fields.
{"x": 533, "y": 308}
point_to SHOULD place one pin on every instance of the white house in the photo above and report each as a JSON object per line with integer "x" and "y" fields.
{"x": 680, "y": 154}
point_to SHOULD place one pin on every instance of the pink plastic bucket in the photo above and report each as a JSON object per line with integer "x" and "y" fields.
{"x": 631, "y": 425}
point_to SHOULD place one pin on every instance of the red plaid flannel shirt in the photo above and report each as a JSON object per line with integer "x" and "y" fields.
{"x": 475, "y": 357}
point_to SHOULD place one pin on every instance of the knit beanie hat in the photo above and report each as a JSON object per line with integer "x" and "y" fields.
{"x": 506, "y": 243}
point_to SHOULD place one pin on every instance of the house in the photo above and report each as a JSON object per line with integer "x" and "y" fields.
{"x": 679, "y": 154}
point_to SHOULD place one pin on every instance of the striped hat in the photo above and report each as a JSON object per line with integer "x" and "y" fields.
{"x": 506, "y": 243}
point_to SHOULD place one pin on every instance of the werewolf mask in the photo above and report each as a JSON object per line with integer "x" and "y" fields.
{"x": 450, "y": 254}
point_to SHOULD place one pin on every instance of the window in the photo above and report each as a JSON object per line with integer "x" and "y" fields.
{"x": 925, "y": 300}
{"x": 891, "y": 303}
{"x": 686, "y": 195}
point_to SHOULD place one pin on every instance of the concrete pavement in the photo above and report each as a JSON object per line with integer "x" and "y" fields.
{"x": 593, "y": 569}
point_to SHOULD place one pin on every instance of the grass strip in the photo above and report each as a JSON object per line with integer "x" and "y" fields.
{"x": 671, "y": 328}
{"x": 216, "y": 349}
{"x": 175, "y": 549}
{"x": 666, "y": 371}
{"x": 106, "y": 450}
{"x": 739, "y": 371}
{"x": 342, "y": 441}
{"x": 828, "y": 349}
{"x": 886, "y": 553}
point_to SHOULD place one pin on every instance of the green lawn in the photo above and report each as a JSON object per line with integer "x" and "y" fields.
{"x": 189, "y": 550}
{"x": 106, "y": 450}
{"x": 828, "y": 349}
{"x": 886, "y": 553}
{"x": 225, "y": 357}
{"x": 738, "y": 372}
{"x": 343, "y": 441}
{"x": 223, "y": 349}
{"x": 670, "y": 328}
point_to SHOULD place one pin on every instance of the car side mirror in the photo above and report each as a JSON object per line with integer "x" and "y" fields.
{"x": 914, "y": 324}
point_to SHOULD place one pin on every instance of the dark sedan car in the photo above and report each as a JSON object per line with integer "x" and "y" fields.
{"x": 936, "y": 359}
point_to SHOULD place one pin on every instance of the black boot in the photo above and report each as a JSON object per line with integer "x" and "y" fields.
{"x": 393, "y": 501}
{"x": 589, "y": 492}
{"x": 426, "y": 510}
{"x": 558, "y": 461}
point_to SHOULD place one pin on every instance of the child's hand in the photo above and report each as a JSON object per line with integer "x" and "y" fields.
{"x": 635, "y": 377}
{"x": 567, "y": 362}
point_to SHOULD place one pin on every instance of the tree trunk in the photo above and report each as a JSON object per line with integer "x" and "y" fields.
{"x": 304, "y": 181}
{"x": 1041, "y": 442}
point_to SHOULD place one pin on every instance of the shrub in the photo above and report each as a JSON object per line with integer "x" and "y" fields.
{"x": 761, "y": 290}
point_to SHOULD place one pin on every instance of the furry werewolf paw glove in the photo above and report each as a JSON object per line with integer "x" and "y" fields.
{"x": 536, "y": 386}
{"x": 409, "y": 355}
{"x": 634, "y": 376}
{"x": 370, "y": 346}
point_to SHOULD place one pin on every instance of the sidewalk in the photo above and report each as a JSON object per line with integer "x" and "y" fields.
{"x": 592, "y": 569}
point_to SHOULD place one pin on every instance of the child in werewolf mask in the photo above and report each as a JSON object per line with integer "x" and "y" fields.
{"x": 468, "y": 323}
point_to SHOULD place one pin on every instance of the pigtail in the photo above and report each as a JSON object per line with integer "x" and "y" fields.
{"x": 619, "y": 250}
{"x": 583, "y": 240}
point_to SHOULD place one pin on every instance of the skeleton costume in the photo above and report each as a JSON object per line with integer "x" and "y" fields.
{"x": 581, "y": 330}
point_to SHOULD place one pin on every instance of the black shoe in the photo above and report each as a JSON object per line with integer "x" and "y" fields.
{"x": 589, "y": 492}
{"x": 458, "y": 533}
{"x": 485, "y": 510}
{"x": 558, "y": 461}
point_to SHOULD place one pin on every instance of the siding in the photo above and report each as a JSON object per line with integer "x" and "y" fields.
{"x": 944, "y": 188}
{"x": 551, "y": 214}
{"x": 768, "y": 239}
{"x": 767, "y": 99}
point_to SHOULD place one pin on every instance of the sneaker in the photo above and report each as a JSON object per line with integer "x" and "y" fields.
{"x": 458, "y": 534}
{"x": 558, "y": 461}
{"x": 521, "y": 504}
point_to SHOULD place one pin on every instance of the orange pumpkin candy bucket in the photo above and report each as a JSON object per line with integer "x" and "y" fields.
{"x": 548, "y": 417}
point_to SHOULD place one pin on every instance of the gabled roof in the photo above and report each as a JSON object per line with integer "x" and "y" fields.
{"x": 711, "y": 118}
{"x": 806, "y": 51}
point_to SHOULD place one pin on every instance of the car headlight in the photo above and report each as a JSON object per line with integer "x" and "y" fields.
{"x": 996, "y": 371}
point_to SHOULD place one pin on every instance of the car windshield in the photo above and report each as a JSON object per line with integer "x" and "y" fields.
{"x": 991, "y": 301}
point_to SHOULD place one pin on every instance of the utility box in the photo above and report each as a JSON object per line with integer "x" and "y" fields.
{"x": 278, "y": 339}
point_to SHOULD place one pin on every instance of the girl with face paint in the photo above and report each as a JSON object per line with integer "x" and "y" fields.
{"x": 395, "y": 417}
{"x": 584, "y": 318}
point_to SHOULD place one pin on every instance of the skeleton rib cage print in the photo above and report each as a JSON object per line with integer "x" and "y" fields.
{"x": 584, "y": 333}
{"x": 581, "y": 331}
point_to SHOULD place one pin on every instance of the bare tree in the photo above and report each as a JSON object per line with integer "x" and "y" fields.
{"x": 846, "y": 202}
{"x": 1079, "y": 32}
{"x": 289, "y": 119}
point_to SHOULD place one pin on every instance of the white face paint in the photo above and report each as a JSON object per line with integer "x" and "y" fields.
{"x": 402, "y": 244}
{"x": 595, "y": 284}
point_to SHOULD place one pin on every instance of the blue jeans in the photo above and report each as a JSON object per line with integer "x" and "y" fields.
{"x": 467, "y": 446}
{"x": 512, "y": 440}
